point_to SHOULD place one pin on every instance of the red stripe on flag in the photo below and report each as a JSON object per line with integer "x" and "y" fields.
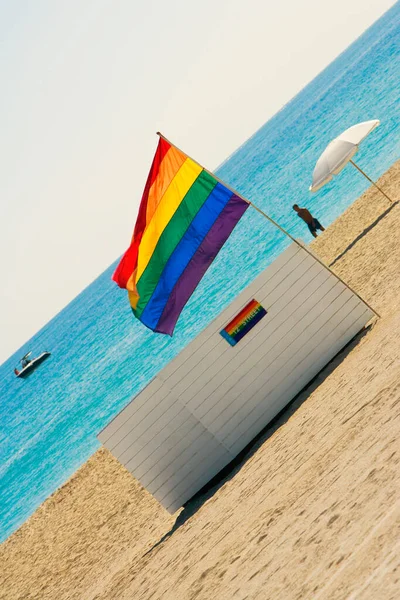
{"x": 128, "y": 262}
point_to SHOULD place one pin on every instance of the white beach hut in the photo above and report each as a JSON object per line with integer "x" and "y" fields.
{"x": 209, "y": 402}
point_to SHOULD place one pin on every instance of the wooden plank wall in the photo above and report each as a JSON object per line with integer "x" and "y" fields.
{"x": 211, "y": 400}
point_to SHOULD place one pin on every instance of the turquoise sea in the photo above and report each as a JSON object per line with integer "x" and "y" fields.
{"x": 101, "y": 356}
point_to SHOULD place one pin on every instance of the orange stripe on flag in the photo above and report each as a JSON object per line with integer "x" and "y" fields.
{"x": 172, "y": 162}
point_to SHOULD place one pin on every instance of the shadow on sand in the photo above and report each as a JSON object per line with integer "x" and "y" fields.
{"x": 364, "y": 232}
{"x": 228, "y": 472}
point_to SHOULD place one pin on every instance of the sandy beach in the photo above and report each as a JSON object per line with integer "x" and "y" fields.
{"x": 313, "y": 510}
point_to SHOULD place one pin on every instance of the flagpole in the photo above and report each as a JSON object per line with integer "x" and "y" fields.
{"x": 371, "y": 181}
{"x": 303, "y": 247}
{"x": 234, "y": 191}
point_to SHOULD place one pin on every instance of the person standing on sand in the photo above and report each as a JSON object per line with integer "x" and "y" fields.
{"x": 312, "y": 223}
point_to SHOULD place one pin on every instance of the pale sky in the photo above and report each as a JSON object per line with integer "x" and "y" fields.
{"x": 85, "y": 84}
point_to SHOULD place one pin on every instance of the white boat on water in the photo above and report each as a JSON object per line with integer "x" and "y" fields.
{"x": 30, "y": 364}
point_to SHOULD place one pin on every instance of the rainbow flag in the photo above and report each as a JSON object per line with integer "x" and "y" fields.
{"x": 185, "y": 217}
{"x": 249, "y": 316}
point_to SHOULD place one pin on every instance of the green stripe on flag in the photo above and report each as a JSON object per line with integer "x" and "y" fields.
{"x": 171, "y": 236}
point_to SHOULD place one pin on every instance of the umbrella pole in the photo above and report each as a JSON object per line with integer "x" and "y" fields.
{"x": 370, "y": 180}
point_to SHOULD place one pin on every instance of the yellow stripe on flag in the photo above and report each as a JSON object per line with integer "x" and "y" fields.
{"x": 166, "y": 208}
{"x": 133, "y": 298}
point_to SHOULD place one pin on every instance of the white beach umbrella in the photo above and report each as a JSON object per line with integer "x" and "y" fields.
{"x": 339, "y": 152}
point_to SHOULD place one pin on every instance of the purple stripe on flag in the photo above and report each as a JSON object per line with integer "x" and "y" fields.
{"x": 201, "y": 260}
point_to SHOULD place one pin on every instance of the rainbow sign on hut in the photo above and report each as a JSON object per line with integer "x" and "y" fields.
{"x": 249, "y": 316}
